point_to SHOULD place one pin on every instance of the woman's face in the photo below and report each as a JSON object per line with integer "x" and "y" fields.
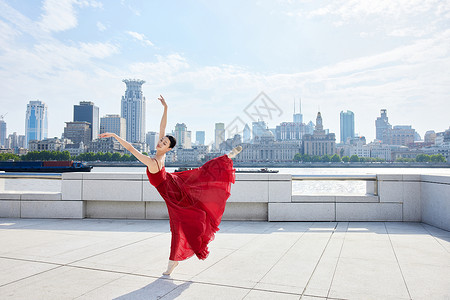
{"x": 163, "y": 144}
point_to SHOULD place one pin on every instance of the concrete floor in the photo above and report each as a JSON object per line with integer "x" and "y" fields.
{"x": 124, "y": 259}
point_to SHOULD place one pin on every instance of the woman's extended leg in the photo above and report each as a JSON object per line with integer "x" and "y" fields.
{"x": 172, "y": 264}
{"x": 235, "y": 151}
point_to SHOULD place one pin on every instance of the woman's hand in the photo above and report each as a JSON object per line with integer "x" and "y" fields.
{"x": 163, "y": 102}
{"x": 107, "y": 134}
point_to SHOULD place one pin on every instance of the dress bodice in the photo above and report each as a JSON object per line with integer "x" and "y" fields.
{"x": 158, "y": 177}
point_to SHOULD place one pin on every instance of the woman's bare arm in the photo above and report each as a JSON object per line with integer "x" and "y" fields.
{"x": 141, "y": 157}
{"x": 162, "y": 127}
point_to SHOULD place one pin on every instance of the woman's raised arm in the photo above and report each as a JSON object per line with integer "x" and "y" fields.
{"x": 141, "y": 157}
{"x": 162, "y": 127}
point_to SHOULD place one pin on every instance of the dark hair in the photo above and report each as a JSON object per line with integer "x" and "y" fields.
{"x": 172, "y": 140}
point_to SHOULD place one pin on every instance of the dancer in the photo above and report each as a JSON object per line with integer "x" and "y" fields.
{"x": 195, "y": 198}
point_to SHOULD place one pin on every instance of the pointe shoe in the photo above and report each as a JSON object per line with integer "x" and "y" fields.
{"x": 236, "y": 150}
{"x": 172, "y": 264}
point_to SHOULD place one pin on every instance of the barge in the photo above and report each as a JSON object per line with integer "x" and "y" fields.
{"x": 44, "y": 166}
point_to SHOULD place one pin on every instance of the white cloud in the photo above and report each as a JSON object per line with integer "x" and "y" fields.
{"x": 60, "y": 15}
{"x": 101, "y": 26}
{"x": 140, "y": 37}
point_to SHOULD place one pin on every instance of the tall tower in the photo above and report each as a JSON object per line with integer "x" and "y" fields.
{"x": 36, "y": 121}
{"x": 219, "y": 134}
{"x": 347, "y": 125}
{"x": 2, "y": 132}
{"x": 247, "y": 134}
{"x": 298, "y": 118}
{"x": 87, "y": 112}
{"x": 133, "y": 110}
{"x": 200, "y": 137}
{"x": 383, "y": 127}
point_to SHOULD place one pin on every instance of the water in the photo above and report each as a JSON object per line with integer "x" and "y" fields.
{"x": 298, "y": 187}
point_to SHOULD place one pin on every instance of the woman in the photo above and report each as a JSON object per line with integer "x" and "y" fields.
{"x": 195, "y": 198}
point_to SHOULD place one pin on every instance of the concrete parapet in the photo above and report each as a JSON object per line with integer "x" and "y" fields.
{"x": 401, "y": 197}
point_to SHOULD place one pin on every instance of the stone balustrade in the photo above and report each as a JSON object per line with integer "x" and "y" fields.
{"x": 409, "y": 198}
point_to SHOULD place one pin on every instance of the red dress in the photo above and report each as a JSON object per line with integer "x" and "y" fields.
{"x": 196, "y": 201}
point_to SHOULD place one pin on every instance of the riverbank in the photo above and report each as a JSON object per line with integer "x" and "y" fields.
{"x": 284, "y": 164}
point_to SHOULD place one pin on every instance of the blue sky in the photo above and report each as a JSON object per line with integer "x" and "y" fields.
{"x": 210, "y": 59}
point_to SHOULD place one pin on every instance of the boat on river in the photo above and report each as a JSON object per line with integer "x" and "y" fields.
{"x": 50, "y": 166}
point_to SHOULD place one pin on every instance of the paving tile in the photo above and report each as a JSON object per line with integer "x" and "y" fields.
{"x": 266, "y": 295}
{"x": 131, "y": 287}
{"x": 426, "y": 281}
{"x": 206, "y": 291}
{"x": 13, "y": 270}
{"x": 357, "y": 278}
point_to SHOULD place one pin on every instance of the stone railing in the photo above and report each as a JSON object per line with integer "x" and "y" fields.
{"x": 409, "y": 198}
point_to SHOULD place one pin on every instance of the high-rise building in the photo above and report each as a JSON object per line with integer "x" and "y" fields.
{"x": 219, "y": 135}
{"x": 133, "y": 110}
{"x": 183, "y": 136}
{"x": 247, "y": 134}
{"x": 258, "y": 129}
{"x": 298, "y": 117}
{"x": 78, "y": 132}
{"x": 320, "y": 142}
{"x": 36, "y": 121}
{"x": 2, "y": 133}
{"x": 347, "y": 125}
{"x": 200, "y": 137}
{"x": 383, "y": 127}
{"x": 402, "y": 135}
{"x": 86, "y": 111}
{"x": 430, "y": 137}
{"x": 151, "y": 138}
{"x": 115, "y": 124}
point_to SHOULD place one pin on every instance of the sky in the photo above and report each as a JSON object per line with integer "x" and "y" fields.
{"x": 212, "y": 59}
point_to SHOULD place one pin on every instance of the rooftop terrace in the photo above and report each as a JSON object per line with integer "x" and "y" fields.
{"x": 124, "y": 259}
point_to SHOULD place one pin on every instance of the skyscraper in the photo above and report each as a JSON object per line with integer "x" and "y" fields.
{"x": 247, "y": 134}
{"x": 219, "y": 135}
{"x": 2, "y": 133}
{"x": 183, "y": 136}
{"x": 87, "y": 112}
{"x": 36, "y": 121}
{"x": 298, "y": 118}
{"x": 200, "y": 137}
{"x": 320, "y": 142}
{"x": 347, "y": 125}
{"x": 151, "y": 138}
{"x": 114, "y": 124}
{"x": 133, "y": 110}
{"x": 383, "y": 127}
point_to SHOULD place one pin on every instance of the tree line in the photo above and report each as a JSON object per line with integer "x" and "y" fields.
{"x": 100, "y": 156}
{"x": 435, "y": 158}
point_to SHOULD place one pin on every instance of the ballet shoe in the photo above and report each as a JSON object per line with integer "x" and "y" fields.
{"x": 172, "y": 264}
{"x": 235, "y": 151}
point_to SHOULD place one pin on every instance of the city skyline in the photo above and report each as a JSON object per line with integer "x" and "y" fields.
{"x": 361, "y": 57}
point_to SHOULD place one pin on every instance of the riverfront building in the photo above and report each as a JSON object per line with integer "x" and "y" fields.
{"x": 320, "y": 142}
{"x": 86, "y": 111}
{"x": 115, "y": 124}
{"x": 133, "y": 111}
{"x": 78, "y": 132}
{"x": 383, "y": 127}
{"x": 266, "y": 148}
{"x": 347, "y": 125}
{"x": 36, "y": 121}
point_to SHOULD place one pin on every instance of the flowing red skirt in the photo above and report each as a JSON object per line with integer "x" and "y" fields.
{"x": 196, "y": 201}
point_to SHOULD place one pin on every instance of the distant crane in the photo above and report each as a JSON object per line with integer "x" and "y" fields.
{"x": 3, "y": 116}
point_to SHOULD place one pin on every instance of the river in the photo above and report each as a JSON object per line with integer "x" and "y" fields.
{"x": 308, "y": 187}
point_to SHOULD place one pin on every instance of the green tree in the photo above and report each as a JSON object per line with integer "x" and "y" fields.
{"x": 437, "y": 158}
{"x": 354, "y": 158}
{"x": 335, "y": 158}
{"x": 306, "y": 158}
{"x": 297, "y": 157}
{"x": 116, "y": 156}
{"x": 423, "y": 158}
{"x": 315, "y": 158}
{"x": 326, "y": 158}
{"x": 346, "y": 159}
